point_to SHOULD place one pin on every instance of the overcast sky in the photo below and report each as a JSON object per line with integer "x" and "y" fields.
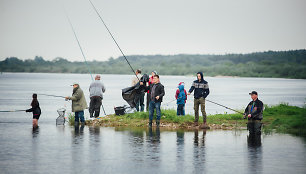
{"x": 30, "y": 28}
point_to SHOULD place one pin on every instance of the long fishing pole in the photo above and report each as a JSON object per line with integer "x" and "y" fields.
{"x": 13, "y": 111}
{"x": 225, "y": 106}
{"x": 76, "y": 38}
{"x": 113, "y": 37}
{"x": 81, "y": 50}
{"x": 52, "y": 95}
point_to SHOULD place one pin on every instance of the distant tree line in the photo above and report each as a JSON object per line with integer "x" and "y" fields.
{"x": 284, "y": 64}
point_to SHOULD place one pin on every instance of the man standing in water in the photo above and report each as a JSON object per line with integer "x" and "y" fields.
{"x": 78, "y": 104}
{"x": 201, "y": 91}
{"x": 96, "y": 90}
{"x": 156, "y": 93}
{"x": 254, "y": 112}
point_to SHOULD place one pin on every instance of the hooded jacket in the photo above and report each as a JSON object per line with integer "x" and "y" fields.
{"x": 78, "y": 100}
{"x": 200, "y": 88}
{"x": 181, "y": 96}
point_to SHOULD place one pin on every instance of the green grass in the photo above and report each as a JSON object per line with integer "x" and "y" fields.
{"x": 281, "y": 118}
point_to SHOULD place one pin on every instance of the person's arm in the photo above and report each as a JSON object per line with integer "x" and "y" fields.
{"x": 30, "y": 110}
{"x": 103, "y": 88}
{"x": 177, "y": 93}
{"x": 191, "y": 88}
{"x": 76, "y": 96}
{"x": 206, "y": 90}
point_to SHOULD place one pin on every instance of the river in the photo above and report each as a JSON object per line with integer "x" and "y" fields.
{"x": 65, "y": 149}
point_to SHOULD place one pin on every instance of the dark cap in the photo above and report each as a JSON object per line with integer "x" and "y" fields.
{"x": 253, "y": 92}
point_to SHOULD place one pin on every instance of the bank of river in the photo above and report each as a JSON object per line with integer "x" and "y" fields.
{"x": 281, "y": 118}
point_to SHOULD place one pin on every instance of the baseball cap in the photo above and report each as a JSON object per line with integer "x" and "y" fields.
{"x": 253, "y": 92}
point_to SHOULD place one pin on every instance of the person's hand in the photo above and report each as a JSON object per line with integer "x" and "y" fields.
{"x": 141, "y": 83}
{"x": 249, "y": 115}
{"x": 188, "y": 93}
{"x": 66, "y": 98}
{"x": 157, "y": 97}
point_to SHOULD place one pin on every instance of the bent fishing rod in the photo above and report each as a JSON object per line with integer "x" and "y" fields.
{"x": 93, "y": 6}
{"x": 72, "y": 28}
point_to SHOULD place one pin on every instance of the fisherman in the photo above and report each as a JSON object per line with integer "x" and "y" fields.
{"x": 149, "y": 83}
{"x": 156, "y": 97}
{"x": 36, "y": 110}
{"x": 78, "y": 103}
{"x": 139, "y": 99}
{"x": 96, "y": 90}
{"x": 254, "y": 112}
{"x": 201, "y": 91}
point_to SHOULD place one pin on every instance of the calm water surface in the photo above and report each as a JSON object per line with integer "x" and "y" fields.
{"x": 65, "y": 149}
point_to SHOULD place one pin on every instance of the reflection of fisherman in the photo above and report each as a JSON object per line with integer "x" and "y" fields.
{"x": 96, "y": 90}
{"x": 254, "y": 112}
{"x": 139, "y": 99}
{"x": 78, "y": 103}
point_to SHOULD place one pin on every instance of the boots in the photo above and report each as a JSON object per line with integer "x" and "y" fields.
{"x": 150, "y": 123}
{"x": 204, "y": 126}
{"x": 157, "y": 123}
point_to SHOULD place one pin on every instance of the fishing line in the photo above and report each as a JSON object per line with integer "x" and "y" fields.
{"x": 225, "y": 106}
{"x": 52, "y": 95}
{"x": 80, "y": 49}
{"x": 76, "y": 38}
{"x": 112, "y": 37}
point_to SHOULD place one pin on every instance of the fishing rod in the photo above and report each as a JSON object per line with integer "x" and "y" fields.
{"x": 13, "y": 111}
{"x": 52, "y": 95}
{"x": 113, "y": 37}
{"x": 225, "y": 106}
{"x": 80, "y": 49}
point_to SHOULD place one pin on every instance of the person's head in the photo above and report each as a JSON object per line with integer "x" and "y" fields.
{"x": 253, "y": 95}
{"x": 138, "y": 71}
{"x": 34, "y": 96}
{"x": 34, "y": 101}
{"x": 200, "y": 76}
{"x": 153, "y": 73}
{"x": 75, "y": 85}
{"x": 156, "y": 78}
{"x": 98, "y": 77}
{"x": 181, "y": 88}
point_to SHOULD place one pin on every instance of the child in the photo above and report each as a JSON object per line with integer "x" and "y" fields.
{"x": 178, "y": 91}
{"x": 36, "y": 110}
{"x": 181, "y": 98}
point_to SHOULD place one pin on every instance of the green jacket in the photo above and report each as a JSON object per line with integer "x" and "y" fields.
{"x": 78, "y": 100}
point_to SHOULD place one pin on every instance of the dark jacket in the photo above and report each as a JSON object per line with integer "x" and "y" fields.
{"x": 200, "y": 88}
{"x": 256, "y": 111}
{"x": 159, "y": 91}
{"x": 36, "y": 110}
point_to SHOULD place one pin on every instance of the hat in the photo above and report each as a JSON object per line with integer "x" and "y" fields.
{"x": 155, "y": 72}
{"x": 181, "y": 83}
{"x": 253, "y": 92}
{"x": 74, "y": 83}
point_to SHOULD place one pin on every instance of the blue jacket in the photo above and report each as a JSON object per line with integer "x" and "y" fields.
{"x": 200, "y": 88}
{"x": 182, "y": 96}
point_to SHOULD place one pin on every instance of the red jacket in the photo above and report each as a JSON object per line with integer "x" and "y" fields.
{"x": 150, "y": 82}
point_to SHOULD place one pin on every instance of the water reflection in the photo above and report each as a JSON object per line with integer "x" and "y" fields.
{"x": 254, "y": 153}
{"x": 180, "y": 151}
{"x": 199, "y": 152}
{"x": 35, "y": 132}
{"x": 153, "y": 139}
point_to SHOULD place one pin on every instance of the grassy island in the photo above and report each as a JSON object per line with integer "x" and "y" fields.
{"x": 281, "y": 118}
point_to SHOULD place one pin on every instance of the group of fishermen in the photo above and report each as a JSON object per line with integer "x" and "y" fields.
{"x": 155, "y": 92}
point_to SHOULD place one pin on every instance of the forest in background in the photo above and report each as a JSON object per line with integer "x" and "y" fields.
{"x": 279, "y": 64}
